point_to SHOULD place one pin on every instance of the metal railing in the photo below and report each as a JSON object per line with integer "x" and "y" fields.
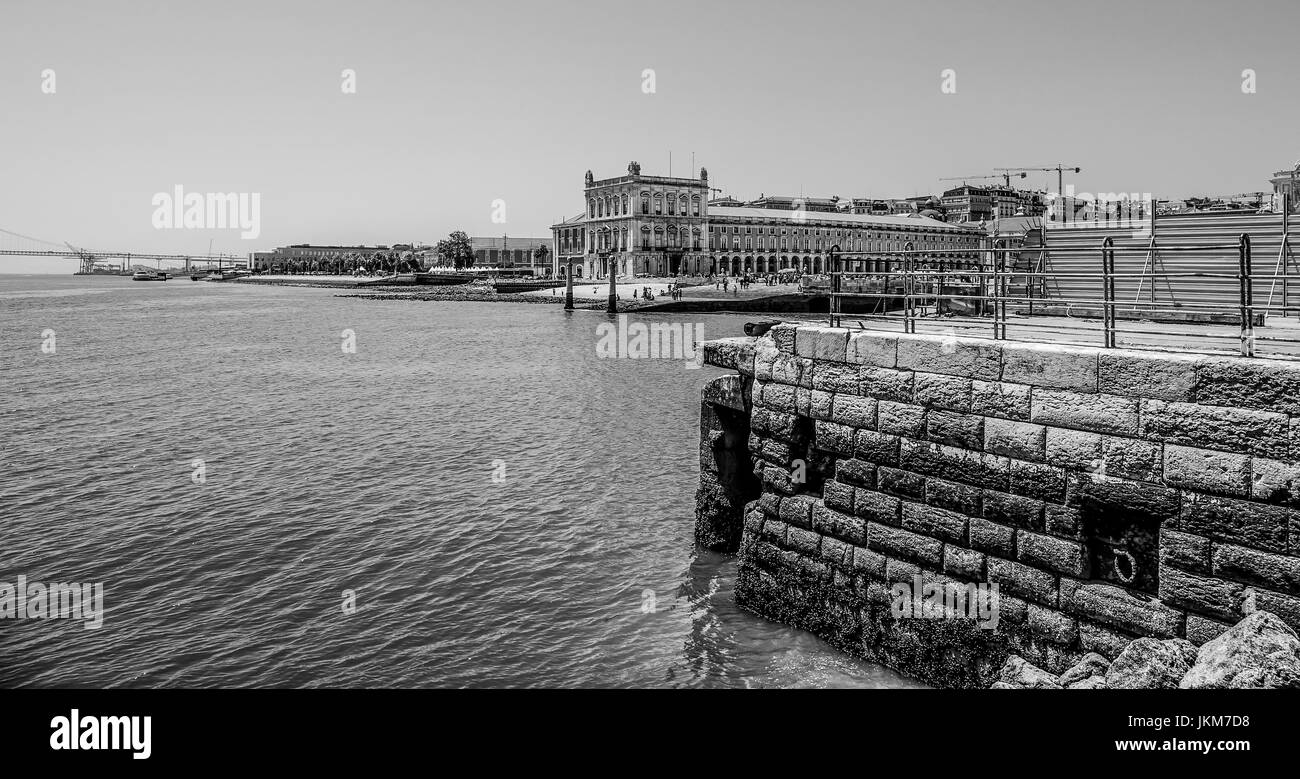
{"x": 945, "y": 291}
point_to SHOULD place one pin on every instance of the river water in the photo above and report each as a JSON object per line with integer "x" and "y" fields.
{"x": 470, "y": 498}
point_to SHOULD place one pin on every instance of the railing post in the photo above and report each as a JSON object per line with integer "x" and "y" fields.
{"x": 1000, "y": 293}
{"x": 1247, "y": 298}
{"x": 835, "y": 285}
{"x": 1108, "y": 291}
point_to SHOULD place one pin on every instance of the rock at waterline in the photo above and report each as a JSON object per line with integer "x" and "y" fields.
{"x": 1091, "y": 683}
{"x": 1092, "y": 664}
{"x": 1148, "y": 663}
{"x": 1261, "y": 650}
{"x": 1020, "y": 674}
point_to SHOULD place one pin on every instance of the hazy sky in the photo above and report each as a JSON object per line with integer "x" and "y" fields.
{"x": 460, "y": 104}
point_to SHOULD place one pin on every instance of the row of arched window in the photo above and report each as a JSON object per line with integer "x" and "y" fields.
{"x": 616, "y": 205}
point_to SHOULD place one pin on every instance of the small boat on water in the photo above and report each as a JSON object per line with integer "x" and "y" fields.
{"x": 150, "y": 275}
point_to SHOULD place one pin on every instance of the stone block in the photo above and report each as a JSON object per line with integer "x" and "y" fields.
{"x": 821, "y": 343}
{"x": 1050, "y": 365}
{"x": 1109, "y": 414}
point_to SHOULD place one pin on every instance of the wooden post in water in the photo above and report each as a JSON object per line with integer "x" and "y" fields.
{"x": 613, "y": 291}
{"x": 568, "y": 288}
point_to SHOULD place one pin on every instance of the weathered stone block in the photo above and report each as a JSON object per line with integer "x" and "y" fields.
{"x": 869, "y": 563}
{"x": 835, "y": 377}
{"x": 868, "y": 347}
{"x": 972, "y": 358}
{"x": 1275, "y": 481}
{"x": 1095, "y": 413}
{"x": 1205, "y": 470}
{"x": 1236, "y": 521}
{"x": 1214, "y": 597}
{"x": 1019, "y": 579}
{"x": 1073, "y": 449}
{"x": 1184, "y": 550}
{"x": 1146, "y": 375}
{"x": 1052, "y": 624}
{"x": 902, "y": 544}
{"x": 819, "y": 404}
{"x": 901, "y": 571}
{"x": 1054, "y": 554}
{"x": 1013, "y": 510}
{"x": 992, "y": 538}
{"x": 783, "y": 336}
{"x": 878, "y": 448}
{"x": 934, "y": 390}
{"x": 1104, "y": 641}
{"x": 805, "y": 542}
{"x": 855, "y": 472}
{"x": 765, "y": 356}
{"x": 955, "y": 429}
{"x": 837, "y": 524}
{"x": 770, "y": 504}
{"x": 1121, "y": 608}
{"x": 778, "y": 397}
{"x": 934, "y": 522}
{"x": 803, "y": 401}
{"x": 1065, "y": 521}
{"x": 797, "y": 510}
{"x": 1246, "y": 431}
{"x": 900, "y": 419}
{"x": 775, "y": 531}
{"x": 1267, "y": 385}
{"x": 726, "y": 391}
{"x": 885, "y": 384}
{"x": 854, "y": 411}
{"x": 787, "y": 369}
{"x": 1275, "y": 571}
{"x": 965, "y": 563}
{"x": 1021, "y": 440}
{"x": 821, "y": 343}
{"x": 975, "y": 468}
{"x": 1050, "y": 365}
{"x": 900, "y": 482}
{"x": 1000, "y": 399}
{"x": 1118, "y": 496}
{"x": 838, "y": 496}
{"x": 729, "y": 352}
{"x": 1038, "y": 481}
{"x": 1131, "y": 458}
{"x": 876, "y": 507}
{"x": 953, "y": 496}
{"x": 830, "y": 437}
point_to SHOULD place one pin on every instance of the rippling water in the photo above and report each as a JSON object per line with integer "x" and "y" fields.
{"x": 370, "y": 472}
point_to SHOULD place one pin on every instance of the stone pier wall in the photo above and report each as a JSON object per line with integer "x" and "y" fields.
{"x": 1109, "y": 494}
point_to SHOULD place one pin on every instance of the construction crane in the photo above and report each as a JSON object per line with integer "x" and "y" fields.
{"x": 1060, "y": 174}
{"x": 1006, "y": 177}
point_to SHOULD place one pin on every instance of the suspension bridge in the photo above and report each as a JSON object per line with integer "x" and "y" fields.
{"x": 96, "y": 262}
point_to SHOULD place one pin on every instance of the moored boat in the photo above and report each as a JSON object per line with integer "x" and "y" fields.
{"x": 150, "y": 275}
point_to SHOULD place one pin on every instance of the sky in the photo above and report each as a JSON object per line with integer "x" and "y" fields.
{"x": 459, "y": 106}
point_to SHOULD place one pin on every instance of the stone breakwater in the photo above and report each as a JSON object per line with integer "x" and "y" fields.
{"x": 1260, "y": 652}
{"x": 1111, "y": 495}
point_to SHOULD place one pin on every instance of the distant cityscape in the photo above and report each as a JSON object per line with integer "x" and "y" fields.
{"x": 644, "y": 225}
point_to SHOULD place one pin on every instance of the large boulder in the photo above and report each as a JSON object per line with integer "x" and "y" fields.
{"x": 1021, "y": 674}
{"x": 1259, "y": 651}
{"x": 1148, "y": 664}
{"x": 1092, "y": 664}
{"x": 1091, "y": 683}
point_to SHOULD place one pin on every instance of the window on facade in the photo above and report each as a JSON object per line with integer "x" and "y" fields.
{"x": 591, "y": 208}
{"x": 695, "y": 207}
{"x": 672, "y": 205}
{"x": 659, "y": 205}
{"x": 625, "y": 204}
{"x": 645, "y": 204}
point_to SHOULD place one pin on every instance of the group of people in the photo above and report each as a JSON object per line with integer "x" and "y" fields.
{"x": 736, "y": 283}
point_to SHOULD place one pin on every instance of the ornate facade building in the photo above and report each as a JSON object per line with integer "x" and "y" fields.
{"x": 643, "y": 225}
{"x": 657, "y": 226}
